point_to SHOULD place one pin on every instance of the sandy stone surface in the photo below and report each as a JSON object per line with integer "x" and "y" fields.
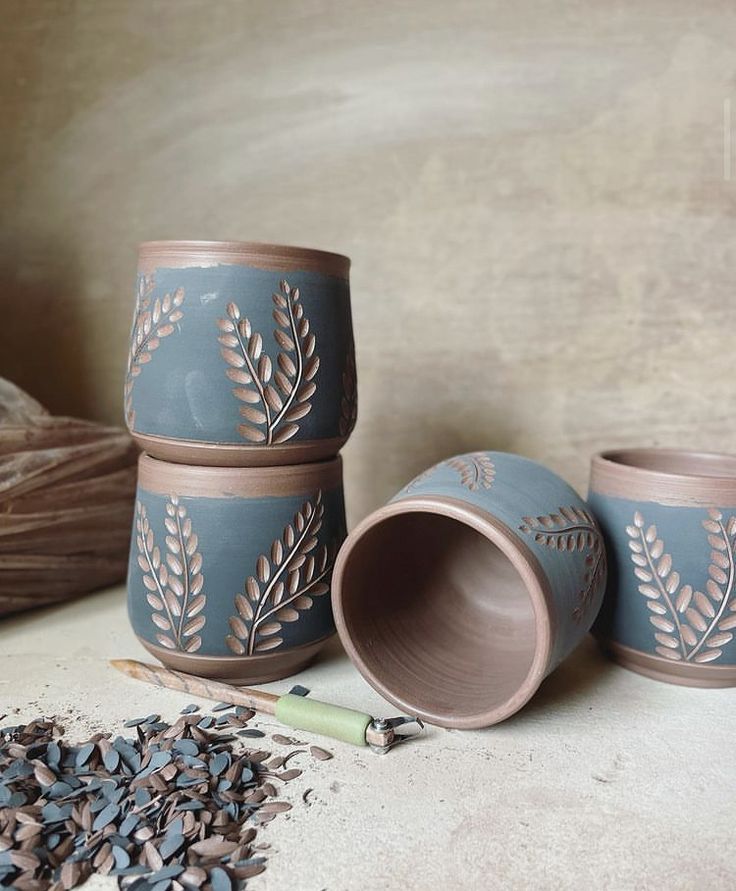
{"x": 606, "y": 780}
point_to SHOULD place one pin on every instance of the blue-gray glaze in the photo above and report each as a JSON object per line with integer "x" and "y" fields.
{"x": 232, "y": 533}
{"x": 183, "y": 392}
{"x": 522, "y": 488}
{"x": 625, "y": 617}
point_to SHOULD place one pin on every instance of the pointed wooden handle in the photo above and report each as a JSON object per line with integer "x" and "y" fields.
{"x": 189, "y": 683}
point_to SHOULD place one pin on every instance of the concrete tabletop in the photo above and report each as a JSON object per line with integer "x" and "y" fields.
{"x": 605, "y": 780}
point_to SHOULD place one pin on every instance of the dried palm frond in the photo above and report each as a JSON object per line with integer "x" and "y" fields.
{"x": 66, "y": 503}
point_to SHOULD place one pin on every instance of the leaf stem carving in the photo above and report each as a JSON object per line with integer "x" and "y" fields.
{"x": 150, "y": 326}
{"x": 174, "y": 584}
{"x": 258, "y": 618}
{"x": 284, "y": 583}
{"x": 185, "y": 574}
{"x": 299, "y": 363}
{"x": 234, "y": 313}
{"x": 726, "y": 596}
{"x": 152, "y": 569}
{"x": 476, "y": 471}
{"x": 662, "y": 590}
{"x": 692, "y": 626}
{"x": 298, "y": 593}
{"x": 274, "y": 395}
{"x": 572, "y": 529}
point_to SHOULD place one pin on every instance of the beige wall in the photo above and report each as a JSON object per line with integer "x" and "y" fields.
{"x": 532, "y": 193}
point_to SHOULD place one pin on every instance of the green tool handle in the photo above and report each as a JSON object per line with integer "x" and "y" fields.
{"x": 303, "y": 713}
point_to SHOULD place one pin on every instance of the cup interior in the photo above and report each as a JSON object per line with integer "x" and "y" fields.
{"x": 675, "y": 462}
{"x": 439, "y": 619}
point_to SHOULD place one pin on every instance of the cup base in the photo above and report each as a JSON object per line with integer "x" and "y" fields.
{"x": 685, "y": 674}
{"x": 213, "y": 454}
{"x": 239, "y": 670}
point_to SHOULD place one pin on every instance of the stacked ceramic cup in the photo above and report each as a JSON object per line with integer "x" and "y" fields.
{"x": 241, "y": 389}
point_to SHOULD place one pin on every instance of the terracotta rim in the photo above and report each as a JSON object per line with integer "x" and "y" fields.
{"x": 240, "y": 669}
{"x": 683, "y": 673}
{"x": 163, "y": 478}
{"x": 215, "y": 454}
{"x": 523, "y": 561}
{"x": 179, "y": 254}
{"x": 677, "y": 477}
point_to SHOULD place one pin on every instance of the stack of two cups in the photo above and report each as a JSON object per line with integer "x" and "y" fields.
{"x": 241, "y": 390}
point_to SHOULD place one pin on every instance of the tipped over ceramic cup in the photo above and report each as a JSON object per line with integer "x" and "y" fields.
{"x": 463, "y": 593}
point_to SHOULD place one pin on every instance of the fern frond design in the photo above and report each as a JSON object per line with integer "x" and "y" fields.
{"x": 476, "y": 471}
{"x": 174, "y": 580}
{"x": 150, "y": 325}
{"x": 274, "y": 397}
{"x": 286, "y": 581}
{"x": 349, "y": 401}
{"x": 572, "y": 530}
{"x": 691, "y": 626}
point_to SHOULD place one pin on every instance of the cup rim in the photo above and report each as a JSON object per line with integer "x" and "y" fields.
{"x": 612, "y": 475}
{"x": 523, "y": 560}
{"x": 209, "y": 481}
{"x": 265, "y": 255}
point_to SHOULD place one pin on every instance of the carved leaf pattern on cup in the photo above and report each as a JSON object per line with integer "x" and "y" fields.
{"x": 173, "y": 580}
{"x": 572, "y": 530}
{"x": 274, "y": 395}
{"x": 349, "y": 401}
{"x": 151, "y": 323}
{"x": 476, "y": 471}
{"x": 690, "y": 626}
{"x": 286, "y": 581}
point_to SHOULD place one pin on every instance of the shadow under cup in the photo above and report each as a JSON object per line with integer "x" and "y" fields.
{"x": 669, "y": 520}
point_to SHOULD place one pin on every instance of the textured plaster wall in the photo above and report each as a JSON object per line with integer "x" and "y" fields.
{"x": 533, "y": 195}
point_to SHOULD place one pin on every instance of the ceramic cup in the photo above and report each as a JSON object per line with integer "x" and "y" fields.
{"x": 669, "y": 521}
{"x": 457, "y": 598}
{"x": 241, "y": 354}
{"x": 230, "y": 568}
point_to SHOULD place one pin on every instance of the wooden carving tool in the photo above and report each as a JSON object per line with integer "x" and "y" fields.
{"x": 298, "y": 712}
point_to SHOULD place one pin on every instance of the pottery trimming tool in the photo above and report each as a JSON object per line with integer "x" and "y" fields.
{"x": 294, "y": 710}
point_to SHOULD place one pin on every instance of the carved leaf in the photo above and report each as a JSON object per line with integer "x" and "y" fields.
{"x": 272, "y": 408}
{"x": 290, "y": 575}
{"x": 150, "y": 326}
{"x": 572, "y": 529}
{"x": 684, "y": 598}
{"x": 268, "y": 644}
{"x": 708, "y": 655}
{"x": 674, "y": 655}
{"x": 175, "y": 584}
{"x": 476, "y": 470}
{"x": 691, "y": 625}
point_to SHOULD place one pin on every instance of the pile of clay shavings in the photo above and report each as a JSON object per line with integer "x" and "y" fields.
{"x": 163, "y": 807}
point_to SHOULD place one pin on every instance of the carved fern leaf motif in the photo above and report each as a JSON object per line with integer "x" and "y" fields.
{"x": 150, "y": 325}
{"x": 572, "y": 530}
{"x": 690, "y": 626}
{"x": 174, "y": 579}
{"x": 476, "y": 471}
{"x": 274, "y": 397}
{"x": 286, "y": 581}
{"x": 349, "y": 401}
